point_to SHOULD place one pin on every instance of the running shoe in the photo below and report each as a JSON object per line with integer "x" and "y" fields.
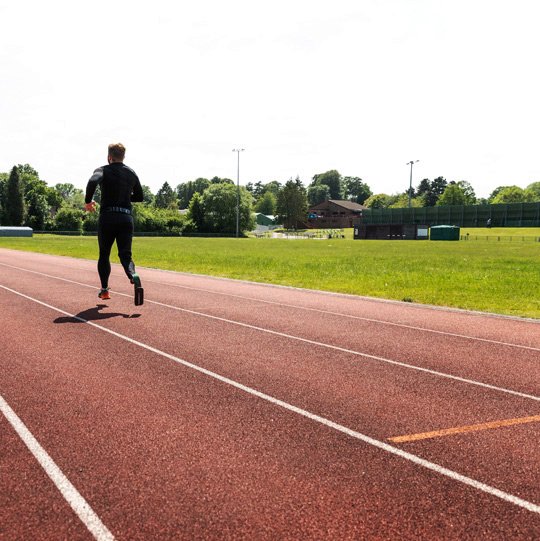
{"x": 139, "y": 291}
{"x": 104, "y": 294}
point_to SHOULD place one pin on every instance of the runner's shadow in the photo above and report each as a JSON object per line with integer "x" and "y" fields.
{"x": 93, "y": 314}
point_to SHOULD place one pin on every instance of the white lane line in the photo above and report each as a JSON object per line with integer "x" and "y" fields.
{"x": 315, "y": 343}
{"x": 432, "y": 466}
{"x": 69, "y": 492}
{"x": 350, "y": 316}
{"x": 319, "y": 310}
{"x": 352, "y": 352}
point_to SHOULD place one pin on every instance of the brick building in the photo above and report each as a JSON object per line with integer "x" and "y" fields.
{"x": 334, "y": 213}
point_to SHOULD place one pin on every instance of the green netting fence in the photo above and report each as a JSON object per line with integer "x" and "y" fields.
{"x": 510, "y": 215}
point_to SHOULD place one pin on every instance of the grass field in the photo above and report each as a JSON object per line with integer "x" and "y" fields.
{"x": 505, "y": 234}
{"x": 500, "y": 277}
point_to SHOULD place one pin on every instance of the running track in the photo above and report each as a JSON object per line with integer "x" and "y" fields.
{"x": 230, "y": 410}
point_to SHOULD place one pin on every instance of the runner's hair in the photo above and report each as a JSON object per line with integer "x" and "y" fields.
{"x": 117, "y": 151}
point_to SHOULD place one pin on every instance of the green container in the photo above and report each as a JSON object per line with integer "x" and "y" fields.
{"x": 444, "y": 232}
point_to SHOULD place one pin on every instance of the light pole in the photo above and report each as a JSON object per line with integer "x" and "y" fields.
{"x": 410, "y": 179}
{"x": 238, "y": 150}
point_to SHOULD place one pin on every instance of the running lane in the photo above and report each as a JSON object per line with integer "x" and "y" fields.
{"x": 161, "y": 450}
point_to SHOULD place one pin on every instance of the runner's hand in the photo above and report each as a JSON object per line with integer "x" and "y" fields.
{"x": 90, "y": 207}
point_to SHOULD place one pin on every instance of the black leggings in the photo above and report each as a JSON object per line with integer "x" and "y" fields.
{"x": 114, "y": 226}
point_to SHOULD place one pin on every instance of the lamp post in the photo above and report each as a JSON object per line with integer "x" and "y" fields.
{"x": 410, "y": 179}
{"x": 238, "y": 150}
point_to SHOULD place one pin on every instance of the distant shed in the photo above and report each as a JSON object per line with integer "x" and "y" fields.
{"x": 391, "y": 231}
{"x": 11, "y": 231}
{"x": 265, "y": 219}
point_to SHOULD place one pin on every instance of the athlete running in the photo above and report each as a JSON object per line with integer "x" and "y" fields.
{"x": 120, "y": 186}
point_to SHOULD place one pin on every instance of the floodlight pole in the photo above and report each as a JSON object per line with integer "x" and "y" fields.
{"x": 238, "y": 150}
{"x": 410, "y": 179}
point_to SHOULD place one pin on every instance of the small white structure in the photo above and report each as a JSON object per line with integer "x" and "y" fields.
{"x": 12, "y": 231}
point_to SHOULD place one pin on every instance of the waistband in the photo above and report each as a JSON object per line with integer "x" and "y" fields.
{"x": 116, "y": 209}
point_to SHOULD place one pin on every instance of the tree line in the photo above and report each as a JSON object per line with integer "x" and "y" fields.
{"x": 440, "y": 192}
{"x": 209, "y": 205}
{"x": 26, "y": 200}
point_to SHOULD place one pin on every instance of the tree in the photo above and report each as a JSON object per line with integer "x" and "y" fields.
{"x": 73, "y": 197}
{"x": 38, "y": 210}
{"x": 273, "y": 186}
{"x": 257, "y": 190}
{"x": 166, "y": 198}
{"x": 196, "y": 211}
{"x": 35, "y": 194}
{"x": 468, "y": 191}
{"x": 54, "y": 199}
{"x": 219, "y": 206}
{"x": 332, "y": 179}
{"x": 66, "y": 190}
{"x": 423, "y": 187}
{"x": 438, "y": 186}
{"x": 292, "y": 204}
{"x": 200, "y": 184}
{"x": 513, "y": 194}
{"x": 402, "y": 201}
{"x": 534, "y": 189}
{"x": 186, "y": 190}
{"x": 267, "y": 204}
{"x": 29, "y": 178}
{"x": 148, "y": 197}
{"x": 378, "y": 201}
{"x": 354, "y": 189}
{"x": 217, "y": 180}
{"x": 27, "y": 170}
{"x": 28, "y": 175}
{"x": 430, "y": 191}
{"x": 14, "y": 212}
{"x": 3, "y": 195}
{"x": 496, "y": 192}
{"x": 317, "y": 193}
{"x": 452, "y": 195}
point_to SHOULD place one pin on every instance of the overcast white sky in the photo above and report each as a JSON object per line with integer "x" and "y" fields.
{"x": 361, "y": 86}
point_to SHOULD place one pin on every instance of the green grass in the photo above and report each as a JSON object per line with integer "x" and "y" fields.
{"x": 500, "y": 277}
{"x": 517, "y": 232}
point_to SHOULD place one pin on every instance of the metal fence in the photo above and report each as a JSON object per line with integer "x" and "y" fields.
{"x": 302, "y": 234}
{"x": 502, "y": 238}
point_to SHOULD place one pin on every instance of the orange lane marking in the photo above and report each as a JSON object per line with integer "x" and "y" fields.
{"x": 463, "y": 429}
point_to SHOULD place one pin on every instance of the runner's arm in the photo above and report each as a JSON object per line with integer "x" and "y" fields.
{"x": 95, "y": 179}
{"x": 137, "y": 195}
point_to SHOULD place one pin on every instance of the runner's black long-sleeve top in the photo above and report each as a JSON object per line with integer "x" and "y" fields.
{"x": 120, "y": 186}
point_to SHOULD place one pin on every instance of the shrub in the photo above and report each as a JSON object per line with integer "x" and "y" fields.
{"x": 68, "y": 219}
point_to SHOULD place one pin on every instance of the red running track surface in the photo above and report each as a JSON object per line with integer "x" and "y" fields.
{"x": 230, "y": 410}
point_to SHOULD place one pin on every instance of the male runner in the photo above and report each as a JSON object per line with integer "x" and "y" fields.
{"x": 120, "y": 186}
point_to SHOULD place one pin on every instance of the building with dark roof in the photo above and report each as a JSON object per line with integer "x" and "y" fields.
{"x": 334, "y": 213}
